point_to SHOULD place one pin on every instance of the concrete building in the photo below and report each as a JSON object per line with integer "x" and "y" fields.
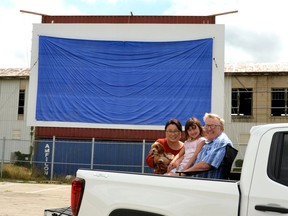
{"x": 13, "y": 95}
{"x": 255, "y": 94}
{"x": 14, "y": 134}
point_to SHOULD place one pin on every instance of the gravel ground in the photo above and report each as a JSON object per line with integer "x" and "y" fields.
{"x": 20, "y": 199}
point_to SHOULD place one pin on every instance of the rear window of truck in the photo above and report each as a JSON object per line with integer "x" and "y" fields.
{"x": 278, "y": 158}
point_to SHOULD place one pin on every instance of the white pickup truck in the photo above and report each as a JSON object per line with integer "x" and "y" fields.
{"x": 261, "y": 190}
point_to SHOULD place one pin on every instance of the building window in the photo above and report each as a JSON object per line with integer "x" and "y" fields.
{"x": 21, "y": 102}
{"x": 241, "y": 102}
{"x": 279, "y": 102}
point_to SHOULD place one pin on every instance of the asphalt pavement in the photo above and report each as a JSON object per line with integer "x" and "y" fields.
{"x": 20, "y": 199}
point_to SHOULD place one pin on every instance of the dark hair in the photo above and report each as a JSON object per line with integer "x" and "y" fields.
{"x": 174, "y": 122}
{"x": 193, "y": 121}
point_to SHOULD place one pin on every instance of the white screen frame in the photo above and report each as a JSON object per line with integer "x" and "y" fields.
{"x": 129, "y": 32}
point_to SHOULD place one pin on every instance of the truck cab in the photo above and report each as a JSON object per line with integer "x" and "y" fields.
{"x": 264, "y": 178}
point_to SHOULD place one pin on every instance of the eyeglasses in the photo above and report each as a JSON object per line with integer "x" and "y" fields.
{"x": 172, "y": 132}
{"x": 213, "y": 126}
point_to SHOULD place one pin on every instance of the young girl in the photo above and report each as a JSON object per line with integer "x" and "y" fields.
{"x": 192, "y": 146}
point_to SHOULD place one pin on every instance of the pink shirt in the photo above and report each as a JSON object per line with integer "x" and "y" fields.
{"x": 190, "y": 148}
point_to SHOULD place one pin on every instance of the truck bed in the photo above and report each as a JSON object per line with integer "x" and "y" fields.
{"x": 164, "y": 195}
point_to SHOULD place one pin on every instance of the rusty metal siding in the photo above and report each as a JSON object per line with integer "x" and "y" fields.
{"x": 130, "y": 19}
{"x": 100, "y": 134}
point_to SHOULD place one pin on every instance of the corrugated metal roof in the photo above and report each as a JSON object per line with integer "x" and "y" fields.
{"x": 259, "y": 68}
{"x": 14, "y": 72}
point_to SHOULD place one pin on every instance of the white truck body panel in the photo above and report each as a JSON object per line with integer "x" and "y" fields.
{"x": 164, "y": 195}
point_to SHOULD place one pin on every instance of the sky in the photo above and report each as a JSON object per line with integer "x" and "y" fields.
{"x": 257, "y": 33}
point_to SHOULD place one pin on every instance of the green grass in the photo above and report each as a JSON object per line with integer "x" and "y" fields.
{"x": 14, "y": 172}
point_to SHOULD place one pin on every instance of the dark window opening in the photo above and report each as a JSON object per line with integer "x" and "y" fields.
{"x": 21, "y": 102}
{"x": 279, "y": 99}
{"x": 241, "y": 102}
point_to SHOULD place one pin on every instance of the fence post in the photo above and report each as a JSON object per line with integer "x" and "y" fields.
{"x": 92, "y": 153}
{"x": 143, "y": 155}
{"x": 3, "y": 155}
{"x": 32, "y": 145}
{"x": 52, "y": 159}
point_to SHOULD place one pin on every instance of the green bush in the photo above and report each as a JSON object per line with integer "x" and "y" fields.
{"x": 13, "y": 172}
{"x": 239, "y": 163}
{"x": 22, "y": 159}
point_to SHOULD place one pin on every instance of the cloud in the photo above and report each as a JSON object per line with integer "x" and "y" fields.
{"x": 201, "y": 8}
{"x": 92, "y": 2}
{"x": 16, "y": 38}
{"x": 257, "y": 33}
{"x": 253, "y": 46}
{"x": 51, "y": 7}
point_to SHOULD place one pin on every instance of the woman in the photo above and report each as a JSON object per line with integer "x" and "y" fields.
{"x": 171, "y": 144}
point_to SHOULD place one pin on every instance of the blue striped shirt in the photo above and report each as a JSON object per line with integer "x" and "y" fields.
{"x": 214, "y": 151}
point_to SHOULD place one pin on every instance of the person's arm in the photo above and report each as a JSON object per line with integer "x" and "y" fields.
{"x": 150, "y": 158}
{"x": 213, "y": 159}
{"x": 200, "y": 166}
{"x": 176, "y": 160}
{"x": 193, "y": 158}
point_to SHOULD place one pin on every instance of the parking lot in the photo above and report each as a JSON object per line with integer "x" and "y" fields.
{"x": 20, "y": 199}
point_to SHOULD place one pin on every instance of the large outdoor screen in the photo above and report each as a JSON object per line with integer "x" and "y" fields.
{"x": 112, "y": 83}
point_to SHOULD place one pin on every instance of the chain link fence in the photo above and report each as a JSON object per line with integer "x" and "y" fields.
{"x": 55, "y": 157}
{"x": 59, "y": 158}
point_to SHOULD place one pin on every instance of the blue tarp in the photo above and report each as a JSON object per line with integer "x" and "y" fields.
{"x": 123, "y": 82}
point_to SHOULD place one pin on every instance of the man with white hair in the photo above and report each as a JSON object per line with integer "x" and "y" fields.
{"x": 214, "y": 150}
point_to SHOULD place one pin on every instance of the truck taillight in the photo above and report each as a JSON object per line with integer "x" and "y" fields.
{"x": 77, "y": 190}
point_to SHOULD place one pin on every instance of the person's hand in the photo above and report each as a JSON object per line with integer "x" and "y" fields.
{"x": 170, "y": 166}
